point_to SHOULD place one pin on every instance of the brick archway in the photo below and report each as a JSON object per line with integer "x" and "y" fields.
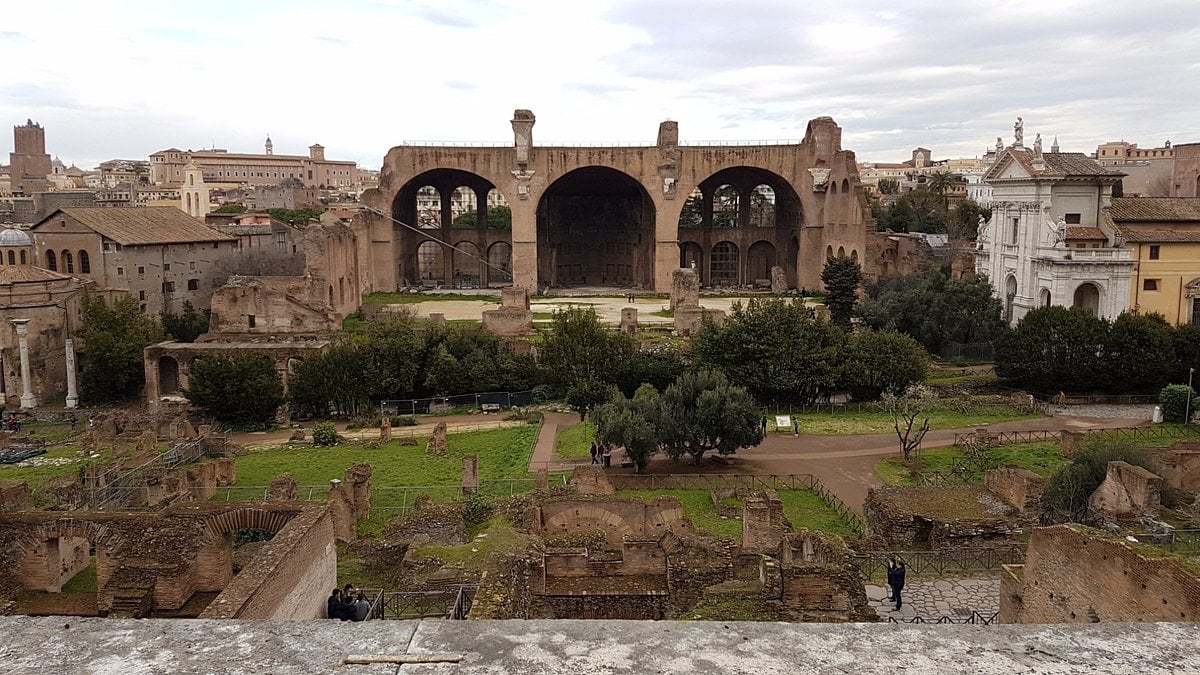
{"x": 216, "y": 527}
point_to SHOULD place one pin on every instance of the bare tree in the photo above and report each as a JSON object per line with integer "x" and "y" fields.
{"x": 906, "y": 408}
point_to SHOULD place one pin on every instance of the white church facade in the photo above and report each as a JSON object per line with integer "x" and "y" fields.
{"x": 1047, "y": 242}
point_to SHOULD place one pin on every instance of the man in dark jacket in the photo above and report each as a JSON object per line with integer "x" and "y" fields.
{"x": 333, "y": 606}
{"x": 895, "y": 577}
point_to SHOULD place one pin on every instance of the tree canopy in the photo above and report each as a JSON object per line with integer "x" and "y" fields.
{"x": 702, "y": 412}
{"x": 842, "y": 278}
{"x": 244, "y": 391}
{"x": 933, "y": 309}
{"x": 578, "y": 347}
{"x": 498, "y": 218}
{"x": 113, "y": 337}
{"x": 187, "y": 325}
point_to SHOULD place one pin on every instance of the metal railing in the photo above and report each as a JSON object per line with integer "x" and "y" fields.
{"x": 451, "y": 602}
{"x": 974, "y": 618}
{"x": 1185, "y": 542}
{"x": 1147, "y": 433}
{"x": 972, "y": 439}
{"x": 420, "y": 406}
{"x": 941, "y": 561}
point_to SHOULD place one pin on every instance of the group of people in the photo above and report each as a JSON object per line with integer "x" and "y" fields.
{"x": 601, "y": 454}
{"x": 343, "y": 605}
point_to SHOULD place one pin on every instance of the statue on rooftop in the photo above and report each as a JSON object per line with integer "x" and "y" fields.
{"x": 1019, "y": 132}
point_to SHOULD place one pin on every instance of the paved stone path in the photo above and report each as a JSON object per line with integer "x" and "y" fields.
{"x": 932, "y": 599}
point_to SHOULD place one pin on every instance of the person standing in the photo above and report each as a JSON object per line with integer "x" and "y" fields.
{"x": 764, "y": 425}
{"x": 607, "y": 457}
{"x": 333, "y": 606}
{"x": 895, "y": 578}
{"x": 595, "y": 453}
{"x": 362, "y": 608}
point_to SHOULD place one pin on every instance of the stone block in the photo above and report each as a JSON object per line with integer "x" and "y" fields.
{"x": 385, "y": 429}
{"x": 689, "y": 320}
{"x": 1019, "y": 488}
{"x": 437, "y": 318}
{"x": 470, "y": 475}
{"x": 15, "y": 496}
{"x": 508, "y": 321}
{"x": 1127, "y": 489}
{"x": 685, "y": 288}
{"x": 591, "y": 480}
{"x": 437, "y": 442}
{"x": 1072, "y": 442}
{"x": 629, "y": 320}
{"x": 779, "y": 284}
{"x": 283, "y": 488}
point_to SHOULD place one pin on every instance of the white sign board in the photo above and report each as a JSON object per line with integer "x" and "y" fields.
{"x": 783, "y": 421}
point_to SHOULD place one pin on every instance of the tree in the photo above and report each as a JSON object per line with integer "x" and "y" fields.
{"x": 1178, "y": 403}
{"x": 842, "y": 276}
{"x": 1139, "y": 354}
{"x": 300, "y": 216}
{"x": 578, "y": 348}
{"x": 963, "y": 222}
{"x": 498, "y": 218}
{"x": 941, "y": 182}
{"x": 775, "y": 349}
{"x": 187, "y": 325}
{"x": 876, "y": 362}
{"x": 244, "y": 391}
{"x": 916, "y": 211}
{"x": 888, "y": 186}
{"x": 230, "y": 208}
{"x": 632, "y": 424}
{"x": 1054, "y": 349}
{"x": 934, "y": 309}
{"x": 585, "y": 395}
{"x": 113, "y": 338}
{"x": 906, "y": 407}
{"x": 702, "y": 412}
{"x": 336, "y": 378}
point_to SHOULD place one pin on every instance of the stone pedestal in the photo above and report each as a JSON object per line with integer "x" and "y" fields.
{"x": 688, "y": 320}
{"x": 778, "y": 281}
{"x": 437, "y": 318}
{"x": 470, "y": 475}
{"x": 629, "y": 320}
{"x": 514, "y": 316}
{"x": 685, "y": 288}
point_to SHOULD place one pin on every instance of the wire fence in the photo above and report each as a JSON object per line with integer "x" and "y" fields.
{"x": 974, "y": 618}
{"x": 491, "y": 400}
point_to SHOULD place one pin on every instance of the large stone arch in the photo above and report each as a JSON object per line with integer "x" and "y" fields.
{"x": 596, "y": 227}
{"x": 441, "y": 231}
{"x": 52, "y": 553}
{"x": 586, "y": 516}
{"x": 214, "y": 559}
{"x": 1088, "y": 295}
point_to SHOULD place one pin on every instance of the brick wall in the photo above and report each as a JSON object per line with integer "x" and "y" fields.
{"x": 1019, "y": 488}
{"x": 291, "y": 576}
{"x": 1076, "y": 575}
{"x": 617, "y": 518}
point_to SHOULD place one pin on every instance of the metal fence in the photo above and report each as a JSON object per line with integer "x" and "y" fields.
{"x": 483, "y": 400}
{"x": 1153, "y": 433}
{"x": 991, "y": 440}
{"x": 451, "y": 602}
{"x": 1184, "y": 542}
{"x": 725, "y": 481}
{"x": 941, "y": 561}
{"x": 969, "y": 351}
{"x": 974, "y": 618}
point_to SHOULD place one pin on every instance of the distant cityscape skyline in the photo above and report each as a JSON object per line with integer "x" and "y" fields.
{"x": 949, "y": 78}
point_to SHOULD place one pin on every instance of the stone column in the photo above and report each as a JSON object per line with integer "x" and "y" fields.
{"x": 27, "y": 399}
{"x": 72, "y": 392}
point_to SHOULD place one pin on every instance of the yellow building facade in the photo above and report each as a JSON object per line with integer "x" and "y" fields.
{"x": 1164, "y": 235}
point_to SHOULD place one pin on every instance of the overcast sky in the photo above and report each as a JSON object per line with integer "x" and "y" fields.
{"x": 124, "y": 79}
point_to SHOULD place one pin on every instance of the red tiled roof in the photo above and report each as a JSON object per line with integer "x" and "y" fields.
{"x": 1085, "y": 233}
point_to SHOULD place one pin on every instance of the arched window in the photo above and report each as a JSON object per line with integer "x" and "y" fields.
{"x": 828, "y": 252}
{"x": 51, "y": 261}
{"x": 68, "y": 262}
{"x": 85, "y": 265}
{"x": 24, "y": 259}
{"x": 841, "y": 252}
{"x": 12, "y": 258}
{"x": 854, "y": 255}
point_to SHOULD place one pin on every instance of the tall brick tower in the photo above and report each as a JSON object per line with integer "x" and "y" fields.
{"x": 29, "y": 165}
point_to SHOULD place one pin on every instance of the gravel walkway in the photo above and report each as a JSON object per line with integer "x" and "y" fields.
{"x": 931, "y": 600}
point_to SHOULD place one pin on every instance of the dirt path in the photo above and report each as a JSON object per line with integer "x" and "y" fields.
{"x": 846, "y": 464}
{"x": 544, "y": 456}
{"x": 424, "y": 427}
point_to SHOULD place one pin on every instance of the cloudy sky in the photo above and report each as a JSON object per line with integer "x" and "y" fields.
{"x": 124, "y": 78}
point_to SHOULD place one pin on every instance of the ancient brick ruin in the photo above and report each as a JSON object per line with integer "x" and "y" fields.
{"x": 902, "y": 518}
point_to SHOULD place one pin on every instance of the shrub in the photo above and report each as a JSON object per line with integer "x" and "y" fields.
{"x": 244, "y": 390}
{"x": 1067, "y": 491}
{"x": 476, "y": 509}
{"x": 325, "y": 434}
{"x": 1174, "y": 400}
{"x": 543, "y": 393}
{"x": 403, "y": 421}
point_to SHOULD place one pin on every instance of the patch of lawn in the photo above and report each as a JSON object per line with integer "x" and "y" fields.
{"x": 350, "y": 570}
{"x": 806, "y": 509}
{"x": 575, "y": 442}
{"x": 63, "y": 461}
{"x": 935, "y": 379}
{"x": 415, "y": 298}
{"x": 83, "y": 582}
{"x": 664, "y": 313}
{"x": 730, "y": 609}
{"x": 502, "y": 453}
{"x": 495, "y": 536}
{"x": 1043, "y": 458}
{"x": 862, "y": 421}
{"x": 698, "y": 507}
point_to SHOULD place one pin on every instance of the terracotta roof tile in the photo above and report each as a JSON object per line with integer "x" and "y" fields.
{"x": 1085, "y": 233}
{"x": 11, "y": 274}
{"x": 1155, "y": 209}
{"x": 141, "y": 226}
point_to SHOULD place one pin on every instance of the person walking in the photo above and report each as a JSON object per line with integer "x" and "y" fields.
{"x": 595, "y": 453}
{"x": 764, "y": 425}
{"x": 895, "y": 577}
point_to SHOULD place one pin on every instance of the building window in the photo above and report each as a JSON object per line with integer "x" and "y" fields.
{"x": 141, "y": 295}
{"x": 12, "y": 258}
{"x": 1154, "y": 250}
{"x": 1016, "y": 222}
{"x": 24, "y": 258}
{"x": 141, "y": 271}
{"x": 166, "y": 267}
{"x": 51, "y": 261}
{"x": 85, "y": 263}
{"x": 1072, "y": 218}
{"x": 250, "y": 318}
{"x": 68, "y": 262}
{"x": 216, "y": 244}
{"x": 1149, "y": 284}
{"x": 193, "y": 284}
{"x": 120, "y": 271}
{"x": 191, "y": 264}
{"x": 168, "y": 287}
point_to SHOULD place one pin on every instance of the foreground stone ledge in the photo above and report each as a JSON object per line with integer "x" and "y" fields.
{"x": 100, "y": 646}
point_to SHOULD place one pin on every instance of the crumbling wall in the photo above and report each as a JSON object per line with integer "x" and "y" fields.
{"x": 818, "y": 581}
{"x": 15, "y": 496}
{"x": 1180, "y": 465}
{"x": 349, "y": 500}
{"x": 1127, "y": 489}
{"x": 617, "y": 518}
{"x": 1073, "y": 574}
{"x": 940, "y": 517}
{"x": 513, "y": 317}
{"x": 1019, "y": 488}
{"x": 763, "y": 523}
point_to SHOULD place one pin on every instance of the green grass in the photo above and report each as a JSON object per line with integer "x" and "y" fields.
{"x": 1044, "y": 459}
{"x": 350, "y": 570}
{"x": 35, "y": 476}
{"x": 664, "y": 313}
{"x": 575, "y": 442}
{"x": 415, "y": 298}
{"x": 502, "y": 453}
{"x": 730, "y": 609}
{"x": 804, "y": 508}
{"x": 83, "y": 582}
{"x": 698, "y": 507}
{"x": 944, "y": 380}
{"x": 495, "y": 536}
{"x": 543, "y": 316}
{"x": 860, "y": 421}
